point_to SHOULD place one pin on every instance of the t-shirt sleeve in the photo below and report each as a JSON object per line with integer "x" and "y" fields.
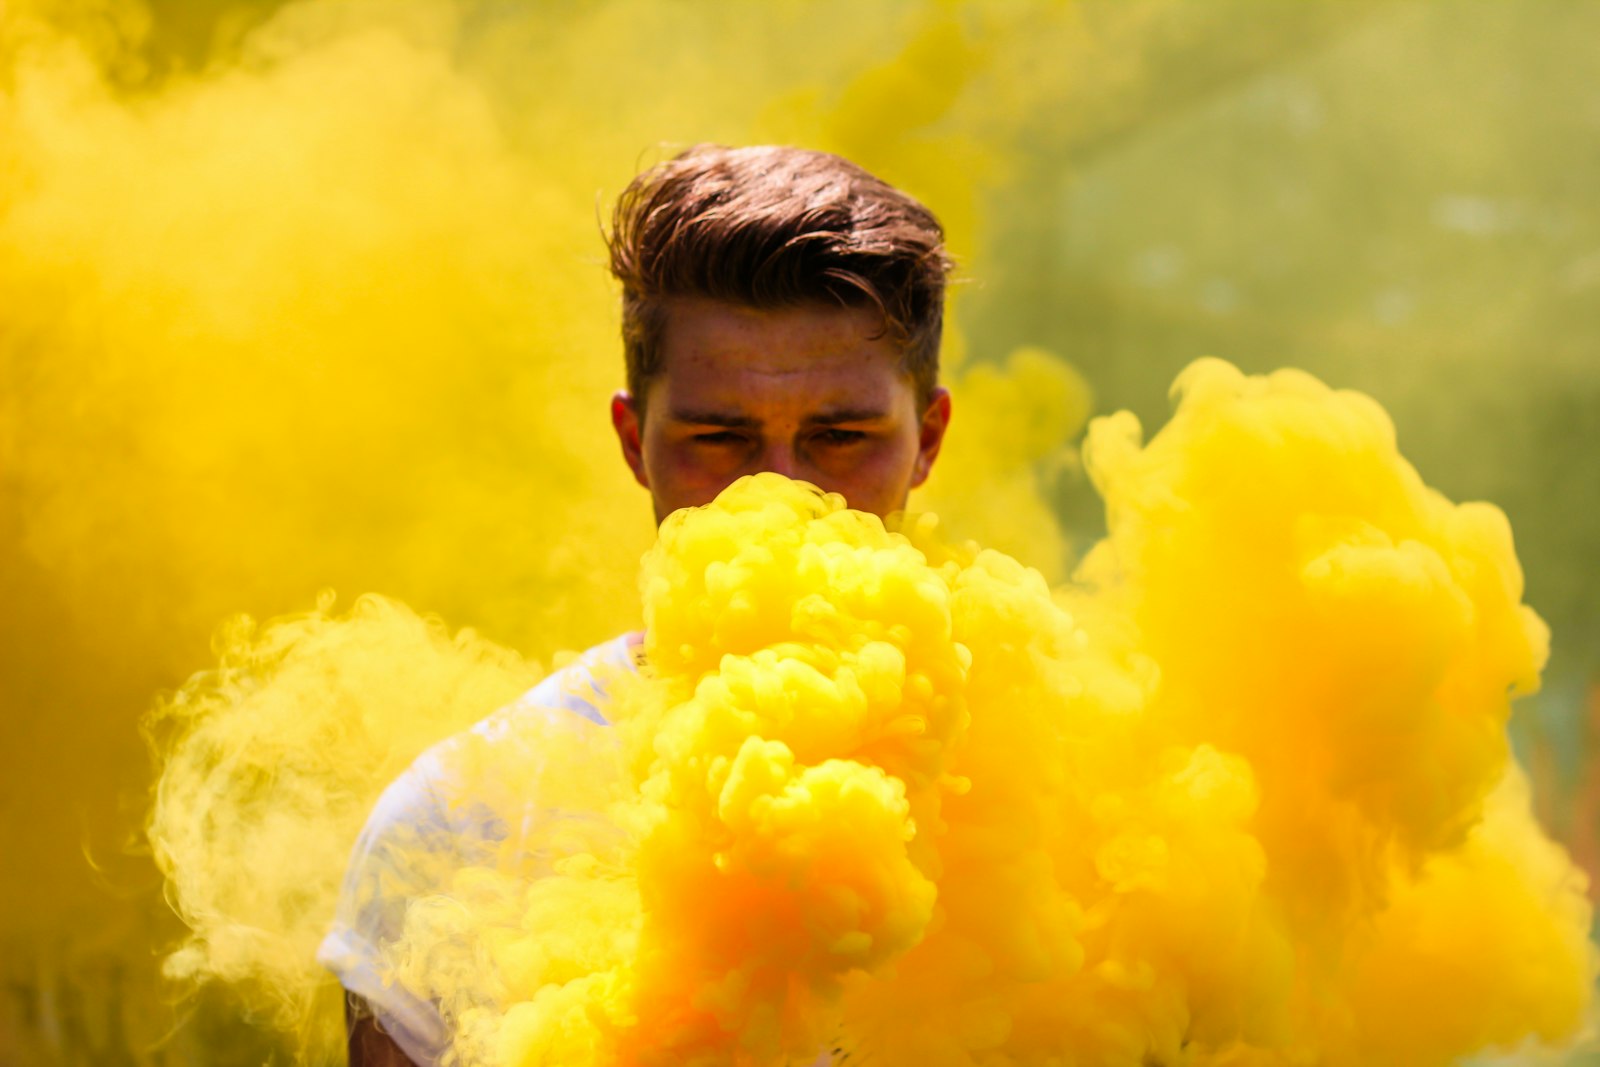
{"x": 407, "y": 850}
{"x": 457, "y": 806}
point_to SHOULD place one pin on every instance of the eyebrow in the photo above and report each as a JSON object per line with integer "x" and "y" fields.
{"x": 831, "y": 417}
{"x": 838, "y": 415}
{"x": 716, "y": 418}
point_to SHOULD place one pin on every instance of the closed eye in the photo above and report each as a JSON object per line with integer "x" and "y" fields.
{"x": 835, "y": 436}
{"x": 718, "y": 437}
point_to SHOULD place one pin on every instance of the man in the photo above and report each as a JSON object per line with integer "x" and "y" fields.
{"x": 781, "y": 311}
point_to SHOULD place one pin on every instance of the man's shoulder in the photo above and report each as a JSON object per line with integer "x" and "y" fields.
{"x": 577, "y": 686}
{"x": 450, "y": 791}
{"x": 571, "y": 698}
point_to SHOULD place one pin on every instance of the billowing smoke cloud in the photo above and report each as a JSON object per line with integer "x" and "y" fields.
{"x": 1241, "y": 793}
{"x": 271, "y": 764}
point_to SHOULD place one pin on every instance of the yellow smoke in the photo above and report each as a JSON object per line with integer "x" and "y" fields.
{"x": 308, "y": 294}
{"x": 1237, "y": 795}
{"x": 311, "y": 295}
{"x": 271, "y": 764}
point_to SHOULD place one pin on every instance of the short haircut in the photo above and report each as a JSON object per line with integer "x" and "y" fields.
{"x": 772, "y": 227}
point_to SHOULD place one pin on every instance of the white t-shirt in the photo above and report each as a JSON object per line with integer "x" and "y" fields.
{"x": 421, "y": 831}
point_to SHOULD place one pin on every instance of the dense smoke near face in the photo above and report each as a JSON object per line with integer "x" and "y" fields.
{"x": 308, "y": 296}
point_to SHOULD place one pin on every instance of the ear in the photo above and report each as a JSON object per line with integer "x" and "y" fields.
{"x": 625, "y": 420}
{"x": 930, "y": 435}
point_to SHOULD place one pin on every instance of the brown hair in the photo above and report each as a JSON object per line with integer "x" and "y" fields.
{"x": 771, "y": 227}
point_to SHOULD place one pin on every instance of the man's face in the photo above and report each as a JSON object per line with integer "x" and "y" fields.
{"x": 809, "y": 392}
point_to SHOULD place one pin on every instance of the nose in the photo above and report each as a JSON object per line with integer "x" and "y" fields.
{"x": 779, "y": 457}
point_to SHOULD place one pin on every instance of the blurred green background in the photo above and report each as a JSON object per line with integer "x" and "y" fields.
{"x": 1395, "y": 195}
{"x": 1404, "y": 206}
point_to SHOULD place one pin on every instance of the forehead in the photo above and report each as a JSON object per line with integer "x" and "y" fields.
{"x": 729, "y": 357}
